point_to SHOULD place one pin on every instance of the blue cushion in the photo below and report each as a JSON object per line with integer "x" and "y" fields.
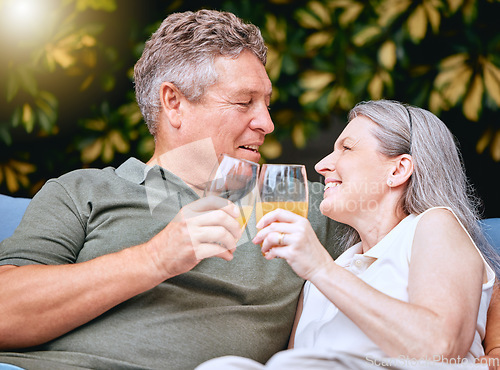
{"x": 11, "y": 212}
{"x": 491, "y": 229}
{"x": 9, "y": 367}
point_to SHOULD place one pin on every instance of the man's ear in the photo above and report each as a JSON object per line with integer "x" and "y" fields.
{"x": 401, "y": 171}
{"x": 170, "y": 98}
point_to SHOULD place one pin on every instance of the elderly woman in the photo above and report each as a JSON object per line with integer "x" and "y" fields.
{"x": 414, "y": 284}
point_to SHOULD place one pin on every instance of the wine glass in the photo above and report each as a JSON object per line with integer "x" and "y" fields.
{"x": 282, "y": 186}
{"x": 235, "y": 180}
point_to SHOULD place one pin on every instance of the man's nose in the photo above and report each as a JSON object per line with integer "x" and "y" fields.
{"x": 262, "y": 121}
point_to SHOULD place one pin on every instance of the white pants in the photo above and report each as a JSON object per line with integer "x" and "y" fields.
{"x": 300, "y": 359}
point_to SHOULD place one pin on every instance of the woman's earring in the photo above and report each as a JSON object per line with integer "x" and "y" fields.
{"x": 389, "y": 182}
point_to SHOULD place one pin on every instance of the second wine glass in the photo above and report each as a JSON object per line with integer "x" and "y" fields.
{"x": 282, "y": 186}
{"x": 235, "y": 180}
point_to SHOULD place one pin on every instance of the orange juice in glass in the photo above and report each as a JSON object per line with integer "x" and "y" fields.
{"x": 235, "y": 180}
{"x": 282, "y": 186}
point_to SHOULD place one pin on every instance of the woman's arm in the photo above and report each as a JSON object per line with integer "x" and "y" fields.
{"x": 445, "y": 279}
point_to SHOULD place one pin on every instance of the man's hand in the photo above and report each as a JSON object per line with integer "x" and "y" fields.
{"x": 202, "y": 229}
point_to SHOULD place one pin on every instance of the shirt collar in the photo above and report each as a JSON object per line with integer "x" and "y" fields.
{"x": 133, "y": 170}
{"x": 137, "y": 172}
{"x": 379, "y": 249}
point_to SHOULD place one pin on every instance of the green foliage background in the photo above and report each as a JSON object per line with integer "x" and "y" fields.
{"x": 67, "y": 101}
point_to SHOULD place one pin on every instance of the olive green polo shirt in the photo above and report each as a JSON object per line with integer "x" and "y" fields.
{"x": 244, "y": 307}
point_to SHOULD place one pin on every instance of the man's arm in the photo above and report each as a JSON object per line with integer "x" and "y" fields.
{"x": 41, "y": 302}
{"x": 491, "y": 341}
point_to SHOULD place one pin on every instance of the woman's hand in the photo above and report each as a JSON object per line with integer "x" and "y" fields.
{"x": 286, "y": 235}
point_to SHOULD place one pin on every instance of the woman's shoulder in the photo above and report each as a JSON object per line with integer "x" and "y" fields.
{"x": 440, "y": 219}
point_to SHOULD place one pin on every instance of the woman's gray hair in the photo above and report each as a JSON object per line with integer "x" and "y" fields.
{"x": 438, "y": 177}
{"x": 183, "y": 50}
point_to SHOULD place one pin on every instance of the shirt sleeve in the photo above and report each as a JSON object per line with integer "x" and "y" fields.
{"x": 51, "y": 232}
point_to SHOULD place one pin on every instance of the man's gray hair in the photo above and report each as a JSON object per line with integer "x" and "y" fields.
{"x": 183, "y": 50}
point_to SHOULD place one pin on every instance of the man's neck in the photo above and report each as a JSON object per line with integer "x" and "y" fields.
{"x": 191, "y": 162}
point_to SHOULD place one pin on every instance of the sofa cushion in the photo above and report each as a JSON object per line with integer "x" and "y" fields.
{"x": 491, "y": 229}
{"x": 11, "y": 212}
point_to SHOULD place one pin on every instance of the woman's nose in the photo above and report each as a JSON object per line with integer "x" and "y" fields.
{"x": 325, "y": 165}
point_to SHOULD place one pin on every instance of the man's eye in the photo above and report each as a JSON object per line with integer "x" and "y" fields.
{"x": 245, "y": 104}
{"x": 346, "y": 147}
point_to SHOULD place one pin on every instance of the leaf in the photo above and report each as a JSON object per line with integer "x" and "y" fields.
{"x": 309, "y": 97}
{"x": 389, "y": 10}
{"x": 469, "y": 11}
{"x": 106, "y": 5}
{"x": 454, "y": 5}
{"x": 321, "y": 12}
{"x": 316, "y": 80}
{"x": 11, "y": 179}
{"x": 22, "y": 167}
{"x": 376, "y": 87}
{"x": 16, "y": 117}
{"x": 28, "y": 118}
{"x": 472, "y": 104}
{"x": 484, "y": 140}
{"x": 62, "y": 57}
{"x": 366, "y": 35}
{"x": 271, "y": 148}
{"x": 417, "y": 24}
{"x": 131, "y": 113}
{"x": 432, "y": 15}
{"x": 44, "y": 121}
{"x": 107, "y": 150}
{"x": 27, "y": 80}
{"x": 97, "y": 124}
{"x": 340, "y": 97}
{"x": 88, "y": 41}
{"x": 274, "y": 62}
{"x": 91, "y": 152}
{"x": 12, "y": 86}
{"x": 116, "y": 138}
{"x": 47, "y": 110}
{"x": 387, "y": 55}
{"x": 5, "y": 137}
{"x": 299, "y": 136}
{"x": 49, "y": 98}
{"x": 453, "y": 61}
{"x": 436, "y": 102}
{"x": 318, "y": 40}
{"x": 307, "y": 20}
{"x": 87, "y": 82}
{"x": 492, "y": 81}
{"x": 350, "y": 14}
{"x": 495, "y": 147}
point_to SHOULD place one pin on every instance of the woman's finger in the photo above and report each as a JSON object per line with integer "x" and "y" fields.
{"x": 274, "y": 227}
{"x": 278, "y": 215}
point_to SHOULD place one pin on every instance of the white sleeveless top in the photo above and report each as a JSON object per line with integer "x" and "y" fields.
{"x": 323, "y": 326}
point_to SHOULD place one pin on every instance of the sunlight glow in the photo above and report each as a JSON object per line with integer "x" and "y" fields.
{"x": 22, "y": 16}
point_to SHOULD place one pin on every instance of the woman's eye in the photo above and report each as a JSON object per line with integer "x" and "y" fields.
{"x": 346, "y": 147}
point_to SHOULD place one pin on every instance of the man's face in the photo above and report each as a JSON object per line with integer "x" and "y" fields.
{"x": 234, "y": 112}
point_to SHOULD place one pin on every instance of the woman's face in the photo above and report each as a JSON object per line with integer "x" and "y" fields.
{"x": 356, "y": 173}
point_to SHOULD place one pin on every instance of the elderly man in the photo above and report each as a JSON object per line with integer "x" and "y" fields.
{"x": 128, "y": 267}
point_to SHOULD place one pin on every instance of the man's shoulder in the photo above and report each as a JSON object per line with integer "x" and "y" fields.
{"x": 85, "y": 177}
